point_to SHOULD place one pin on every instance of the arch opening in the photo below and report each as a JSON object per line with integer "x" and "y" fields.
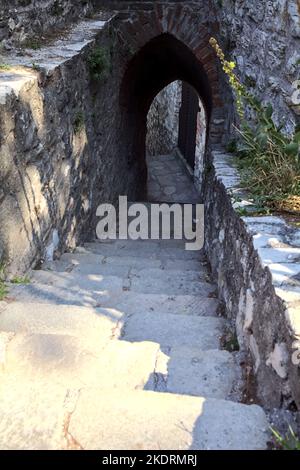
{"x": 176, "y": 125}
{"x": 160, "y": 62}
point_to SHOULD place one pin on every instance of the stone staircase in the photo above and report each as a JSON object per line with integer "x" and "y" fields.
{"x": 117, "y": 346}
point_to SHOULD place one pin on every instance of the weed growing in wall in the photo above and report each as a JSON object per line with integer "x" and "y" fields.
{"x": 32, "y": 43}
{"x": 4, "y": 67}
{"x": 288, "y": 442}
{"x": 21, "y": 280}
{"x": 269, "y": 159}
{"x": 99, "y": 63}
{"x": 78, "y": 124}
{"x": 3, "y": 287}
{"x": 57, "y": 8}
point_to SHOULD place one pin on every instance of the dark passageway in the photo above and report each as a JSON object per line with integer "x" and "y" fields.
{"x": 161, "y": 61}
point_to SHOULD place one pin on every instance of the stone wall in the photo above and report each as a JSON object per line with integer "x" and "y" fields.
{"x": 264, "y": 39}
{"x": 162, "y": 122}
{"x": 59, "y": 150}
{"x": 256, "y": 263}
{"x": 201, "y": 137}
{"x": 70, "y": 142}
{"x": 20, "y": 20}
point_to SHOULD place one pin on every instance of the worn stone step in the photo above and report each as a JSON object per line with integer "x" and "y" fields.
{"x": 71, "y": 288}
{"x": 82, "y": 259}
{"x": 124, "y": 270}
{"x": 73, "y": 362}
{"x": 155, "y": 281}
{"x": 190, "y": 371}
{"x": 95, "y": 326}
{"x": 146, "y": 244}
{"x": 127, "y": 302}
{"x": 143, "y": 249}
{"x": 174, "y": 330}
{"x": 147, "y": 420}
{"x": 33, "y": 415}
{"x": 104, "y": 269}
{"x": 157, "y": 304}
{"x": 95, "y": 288}
{"x": 56, "y": 295}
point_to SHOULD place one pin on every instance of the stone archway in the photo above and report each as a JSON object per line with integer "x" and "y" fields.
{"x": 164, "y": 45}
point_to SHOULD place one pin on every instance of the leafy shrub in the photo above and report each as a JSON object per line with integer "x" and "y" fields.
{"x": 78, "y": 124}
{"x": 99, "y": 63}
{"x": 269, "y": 159}
{"x": 32, "y": 43}
{"x": 3, "y": 287}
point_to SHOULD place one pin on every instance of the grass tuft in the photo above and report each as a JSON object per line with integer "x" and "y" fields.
{"x": 21, "y": 280}
{"x": 99, "y": 63}
{"x": 3, "y": 287}
{"x": 78, "y": 124}
{"x": 288, "y": 442}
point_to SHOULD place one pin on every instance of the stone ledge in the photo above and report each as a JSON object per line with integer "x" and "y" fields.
{"x": 257, "y": 263}
{"x": 51, "y": 56}
{"x": 277, "y": 242}
{"x": 47, "y": 58}
{"x": 42, "y": 157}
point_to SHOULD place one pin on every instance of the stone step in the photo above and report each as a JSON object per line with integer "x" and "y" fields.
{"x": 101, "y": 287}
{"x": 147, "y": 420}
{"x": 94, "y": 326}
{"x": 72, "y": 362}
{"x": 146, "y": 244}
{"x": 190, "y": 371}
{"x": 157, "y": 304}
{"x": 56, "y": 295}
{"x": 135, "y": 262}
{"x": 143, "y": 249}
{"x": 174, "y": 330}
{"x": 124, "y": 270}
{"x": 76, "y": 288}
{"x": 34, "y": 415}
{"x": 155, "y": 281}
{"x": 127, "y": 302}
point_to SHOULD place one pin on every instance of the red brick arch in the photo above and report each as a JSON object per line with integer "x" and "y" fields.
{"x": 160, "y": 46}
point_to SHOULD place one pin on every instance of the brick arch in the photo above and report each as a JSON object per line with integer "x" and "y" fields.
{"x": 163, "y": 45}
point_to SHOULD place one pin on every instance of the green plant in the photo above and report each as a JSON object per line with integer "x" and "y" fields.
{"x": 288, "y": 442}
{"x": 4, "y": 67}
{"x": 21, "y": 280}
{"x": 57, "y": 8}
{"x": 3, "y": 290}
{"x": 78, "y": 124}
{"x": 99, "y": 63}
{"x": 242, "y": 211}
{"x": 231, "y": 147}
{"x": 269, "y": 159}
{"x": 32, "y": 43}
{"x": 35, "y": 66}
{"x": 3, "y": 287}
{"x": 250, "y": 82}
{"x": 230, "y": 342}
